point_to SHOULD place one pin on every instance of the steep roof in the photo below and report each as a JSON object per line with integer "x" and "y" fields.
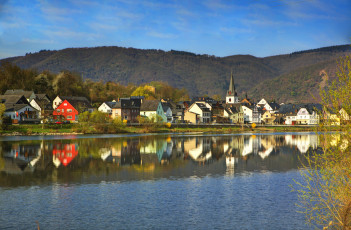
{"x": 149, "y": 105}
{"x": 27, "y": 94}
{"x": 203, "y": 107}
{"x": 231, "y": 91}
{"x": 77, "y": 101}
{"x": 130, "y": 103}
{"x": 294, "y": 108}
{"x": 13, "y": 99}
{"x": 274, "y": 106}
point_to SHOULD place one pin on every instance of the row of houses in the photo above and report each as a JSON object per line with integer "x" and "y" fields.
{"x": 26, "y": 106}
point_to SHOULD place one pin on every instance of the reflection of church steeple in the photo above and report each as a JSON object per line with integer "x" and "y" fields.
{"x": 232, "y": 96}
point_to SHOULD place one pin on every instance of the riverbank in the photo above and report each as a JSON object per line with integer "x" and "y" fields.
{"x": 74, "y": 129}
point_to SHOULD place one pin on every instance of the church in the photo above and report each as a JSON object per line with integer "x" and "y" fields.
{"x": 232, "y": 96}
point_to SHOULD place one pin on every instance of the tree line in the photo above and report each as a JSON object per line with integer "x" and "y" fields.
{"x": 68, "y": 83}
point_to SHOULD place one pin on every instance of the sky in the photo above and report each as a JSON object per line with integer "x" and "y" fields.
{"x": 215, "y": 27}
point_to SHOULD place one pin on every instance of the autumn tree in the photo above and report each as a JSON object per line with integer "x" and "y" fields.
{"x": 325, "y": 192}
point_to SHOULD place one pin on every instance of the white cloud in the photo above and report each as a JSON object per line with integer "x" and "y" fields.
{"x": 235, "y": 30}
{"x": 162, "y": 35}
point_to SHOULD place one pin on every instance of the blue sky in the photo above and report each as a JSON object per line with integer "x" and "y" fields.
{"x": 216, "y": 27}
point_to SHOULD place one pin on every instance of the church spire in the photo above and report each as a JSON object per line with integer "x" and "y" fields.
{"x": 232, "y": 96}
{"x": 231, "y": 90}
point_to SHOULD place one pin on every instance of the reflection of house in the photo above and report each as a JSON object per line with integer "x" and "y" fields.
{"x": 199, "y": 149}
{"x": 302, "y": 142}
{"x": 130, "y": 152}
{"x": 24, "y": 155}
{"x": 65, "y": 153}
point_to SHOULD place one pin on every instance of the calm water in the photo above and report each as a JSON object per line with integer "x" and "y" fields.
{"x": 175, "y": 181}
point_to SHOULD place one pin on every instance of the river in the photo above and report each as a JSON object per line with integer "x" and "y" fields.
{"x": 168, "y": 181}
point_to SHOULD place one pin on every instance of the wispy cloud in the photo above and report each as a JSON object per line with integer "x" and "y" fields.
{"x": 162, "y": 35}
{"x": 235, "y": 30}
{"x": 217, "y": 5}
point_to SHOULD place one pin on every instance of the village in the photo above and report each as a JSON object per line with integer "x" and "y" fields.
{"x": 29, "y": 107}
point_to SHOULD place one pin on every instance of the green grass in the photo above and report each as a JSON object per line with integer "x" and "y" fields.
{"x": 33, "y": 129}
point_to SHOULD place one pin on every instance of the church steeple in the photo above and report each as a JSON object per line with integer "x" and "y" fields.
{"x": 232, "y": 96}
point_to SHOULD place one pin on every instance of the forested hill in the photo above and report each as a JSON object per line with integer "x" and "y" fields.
{"x": 199, "y": 74}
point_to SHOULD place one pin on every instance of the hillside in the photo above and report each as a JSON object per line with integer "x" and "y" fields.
{"x": 200, "y": 74}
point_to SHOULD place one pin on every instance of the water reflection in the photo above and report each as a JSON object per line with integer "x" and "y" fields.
{"x": 150, "y": 157}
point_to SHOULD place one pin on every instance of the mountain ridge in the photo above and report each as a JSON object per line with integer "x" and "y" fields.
{"x": 200, "y": 74}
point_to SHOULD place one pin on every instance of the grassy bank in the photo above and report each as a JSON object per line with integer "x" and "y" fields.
{"x": 38, "y": 129}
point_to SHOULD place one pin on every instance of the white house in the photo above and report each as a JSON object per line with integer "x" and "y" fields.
{"x": 204, "y": 113}
{"x": 106, "y": 107}
{"x": 290, "y": 119}
{"x": 305, "y": 117}
{"x": 152, "y": 108}
{"x": 247, "y": 114}
{"x": 262, "y": 103}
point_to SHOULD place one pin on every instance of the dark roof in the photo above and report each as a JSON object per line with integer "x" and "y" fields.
{"x": 149, "y": 105}
{"x": 274, "y": 106}
{"x": 43, "y": 96}
{"x": 77, "y": 101}
{"x": 130, "y": 103}
{"x": 44, "y": 103}
{"x": 294, "y": 108}
{"x": 20, "y": 92}
{"x": 111, "y": 104}
{"x": 203, "y": 107}
{"x": 13, "y": 99}
{"x": 15, "y": 107}
{"x": 165, "y": 108}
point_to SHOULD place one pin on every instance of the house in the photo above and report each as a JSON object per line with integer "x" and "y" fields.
{"x": 66, "y": 111}
{"x": 130, "y": 109}
{"x": 168, "y": 112}
{"x": 262, "y": 103}
{"x": 203, "y": 112}
{"x": 257, "y": 114}
{"x": 272, "y": 107}
{"x": 19, "y": 109}
{"x": 246, "y": 101}
{"x": 218, "y": 113}
{"x": 81, "y": 104}
{"x": 106, "y": 107}
{"x": 237, "y": 114}
{"x": 232, "y": 96}
{"x": 152, "y": 108}
{"x": 248, "y": 111}
{"x": 331, "y": 117}
{"x": 344, "y": 116}
{"x": 268, "y": 118}
{"x": 289, "y": 112}
{"x": 191, "y": 117}
{"x": 44, "y": 106}
{"x": 305, "y": 117}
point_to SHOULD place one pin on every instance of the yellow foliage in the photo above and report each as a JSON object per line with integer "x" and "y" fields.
{"x": 168, "y": 125}
{"x": 253, "y": 125}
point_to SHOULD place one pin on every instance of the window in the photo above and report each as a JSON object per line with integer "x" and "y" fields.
{"x": 65, "y": 104}
{"x": 58, "y": 110}
{"x": 62, "y": 110}
{"x": 230, "y": 99}
{"x": 69, "y": 110}
{"x": 69, "y": 117}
